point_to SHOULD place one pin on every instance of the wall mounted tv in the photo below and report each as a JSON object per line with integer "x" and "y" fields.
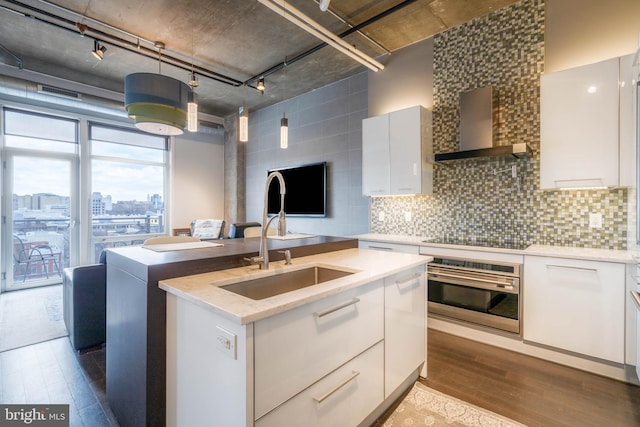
{"x": 306, "y": 187}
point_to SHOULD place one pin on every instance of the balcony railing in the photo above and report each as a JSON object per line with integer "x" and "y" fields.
{"x": 107, "y": 232}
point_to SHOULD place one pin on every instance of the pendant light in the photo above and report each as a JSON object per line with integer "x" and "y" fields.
{"x": 192, "y": 104}
{"x": 243, "y": 124}
{"x": 284, "y": 132}
{"x": 284, "y": 122}
{"x": 192, "y": 112}
{"x": 156, "y": 103}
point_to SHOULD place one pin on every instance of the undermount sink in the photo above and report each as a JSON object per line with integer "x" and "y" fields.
{"x": 265, "y": 287}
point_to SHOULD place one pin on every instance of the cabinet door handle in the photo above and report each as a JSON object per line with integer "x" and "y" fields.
{"x": 382, "y": 248}
{"x": 568, "y": 267}
{"x": 338, "y": 387}
{"x": 336, "y": 307}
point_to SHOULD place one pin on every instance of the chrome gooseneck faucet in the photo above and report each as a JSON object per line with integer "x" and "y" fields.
{"x": 263, "y": 256}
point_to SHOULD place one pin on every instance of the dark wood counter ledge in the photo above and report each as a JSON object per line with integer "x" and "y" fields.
{"x": 136, "y": 314}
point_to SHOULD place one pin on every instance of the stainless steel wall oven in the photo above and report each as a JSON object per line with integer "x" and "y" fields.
{"x": 485, "y": 293}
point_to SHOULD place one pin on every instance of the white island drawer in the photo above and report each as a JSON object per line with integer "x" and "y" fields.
{"x": 343, "y": 398}
{"x": 296, "y": 348}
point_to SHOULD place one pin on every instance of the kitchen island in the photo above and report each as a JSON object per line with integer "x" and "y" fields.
{"x": 136, "y": 314}
{"x": 333, "y": 353}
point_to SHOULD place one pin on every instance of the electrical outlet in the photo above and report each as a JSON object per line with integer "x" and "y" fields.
{"x": 595, "y": 220}
{"x": 407, "y": 216}
{"x": 226, "y": 342}
{"x": 381, "y": 216}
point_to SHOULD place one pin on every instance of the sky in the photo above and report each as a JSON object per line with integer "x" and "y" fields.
{"x": 122, "y": 181}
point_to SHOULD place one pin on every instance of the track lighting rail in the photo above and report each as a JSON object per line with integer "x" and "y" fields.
{"x": 131, "y": 46}
{"x": 138, "y": 45}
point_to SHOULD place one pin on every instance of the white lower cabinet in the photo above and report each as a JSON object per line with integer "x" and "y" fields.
{"x": 343, "y": 398}
{"x": 296, "y": 348}
{"x": 404, "y": 326}
{"x": 575, "y": 305}
{"x": 330, "y": 362}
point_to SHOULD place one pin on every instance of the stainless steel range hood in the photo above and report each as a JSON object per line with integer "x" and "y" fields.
{"x": 477, "y": 125}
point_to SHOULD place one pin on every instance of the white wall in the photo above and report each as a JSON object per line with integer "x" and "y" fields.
{"x": 580, "y": 32}
{"x": 197, "y": 176}
{"x": 406, "y": 80}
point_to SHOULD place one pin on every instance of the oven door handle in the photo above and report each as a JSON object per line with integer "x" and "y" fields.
{"x": 501, "y": 285}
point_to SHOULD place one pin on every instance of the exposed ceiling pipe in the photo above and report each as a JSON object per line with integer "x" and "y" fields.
{"x": 366, "y": 37}
{"x": 13, "y": 55}
{"x": 324, "y": 5}
{"x": 134, "y": 47}
{"x": 306, "y": 53}
{"x": 303, "y": 21}
{"x": 185, "y": 65}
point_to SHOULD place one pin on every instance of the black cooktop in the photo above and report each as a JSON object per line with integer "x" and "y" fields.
{"x": 487, "y": 243}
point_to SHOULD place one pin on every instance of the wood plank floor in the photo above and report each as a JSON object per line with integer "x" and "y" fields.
{"x": 529, "y": 390}
{"x": 52, "y": 372}
{"x": 526, "y": 389}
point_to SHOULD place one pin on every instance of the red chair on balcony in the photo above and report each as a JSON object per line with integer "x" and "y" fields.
{"x": 33, "y": 253}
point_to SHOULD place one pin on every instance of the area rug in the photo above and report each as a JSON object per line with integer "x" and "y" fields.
{"x": 31, "y": 316}
{"x": 424, "y": 406}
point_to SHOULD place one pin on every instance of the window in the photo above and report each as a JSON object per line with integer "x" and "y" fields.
{"x": 40, "y": 158}
{"x": 34, "y": 131}
{"x": 128, "y": 181}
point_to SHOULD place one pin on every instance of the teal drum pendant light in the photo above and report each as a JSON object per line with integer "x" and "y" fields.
{"x": 156, "y": 103}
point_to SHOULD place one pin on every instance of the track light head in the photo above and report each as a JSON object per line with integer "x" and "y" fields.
{"x": 260, "y": 85}
{"x": 98, "y": 50}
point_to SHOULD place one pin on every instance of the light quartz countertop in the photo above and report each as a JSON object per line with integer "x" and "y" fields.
{"x": 205, "y": 289}
{"x": 608, "y": 255}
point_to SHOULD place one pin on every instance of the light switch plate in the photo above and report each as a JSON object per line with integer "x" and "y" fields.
{"x": 595, "y": 220}
{"x": 407, "y": 216}
{"x": 381, "y": 216}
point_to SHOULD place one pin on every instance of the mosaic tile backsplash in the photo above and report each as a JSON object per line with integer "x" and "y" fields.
{"x": 480, "y": 197}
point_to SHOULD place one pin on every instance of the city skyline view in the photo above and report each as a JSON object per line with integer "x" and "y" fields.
{"x": 109, "y": 178}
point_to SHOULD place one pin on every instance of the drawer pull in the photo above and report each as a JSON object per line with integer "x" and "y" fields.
{"x": 336, "y": 308}
{"x": 380, "y": 248}
{"x": 568, "y": 267}
{"x": 338, "y": 387}
{"x": 408, "y": 279}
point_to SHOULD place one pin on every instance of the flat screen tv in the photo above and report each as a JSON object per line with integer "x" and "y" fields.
{"x": 306, "y": 190}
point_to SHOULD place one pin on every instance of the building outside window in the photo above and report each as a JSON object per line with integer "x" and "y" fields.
{"x": 46, "y": 229}
{"x": 128, "y": 179}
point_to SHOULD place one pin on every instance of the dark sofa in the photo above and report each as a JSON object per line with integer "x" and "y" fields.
{"x": 84, "y": 304}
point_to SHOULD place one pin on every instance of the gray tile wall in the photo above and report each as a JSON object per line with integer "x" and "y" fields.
{"x": 480, "y": 197}
{"x": 324, "y": 125}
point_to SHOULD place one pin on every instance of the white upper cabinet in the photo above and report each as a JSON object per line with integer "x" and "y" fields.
{"x": 375, "y": 156}
{"x": 583, "y": 126}
{"x": 395, "y": 150}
